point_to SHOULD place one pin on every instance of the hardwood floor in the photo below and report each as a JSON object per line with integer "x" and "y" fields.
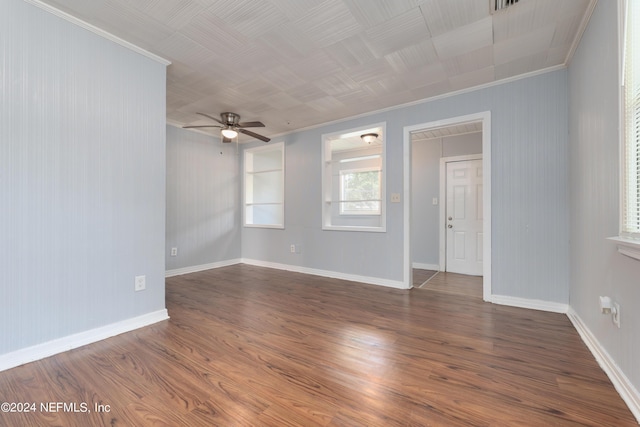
{"x": 454, "y": 284}
{"x": 420, "y": 276}
{"x": 249, "y": 346}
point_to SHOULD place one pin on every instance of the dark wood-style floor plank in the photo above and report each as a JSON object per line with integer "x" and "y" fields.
{"x": 420, "y": 276}
{"x": 453, "y": 284}
{"x": 250, "y": 346}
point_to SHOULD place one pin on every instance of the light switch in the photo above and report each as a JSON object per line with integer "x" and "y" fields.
{"x": 434, "y": 201}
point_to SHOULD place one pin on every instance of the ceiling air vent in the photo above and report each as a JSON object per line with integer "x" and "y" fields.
{"x": 497, "y": 5}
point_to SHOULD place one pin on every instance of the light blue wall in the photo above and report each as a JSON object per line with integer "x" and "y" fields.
{"x": 82, "y": 179}
{"x": 530, "y": 210}
{"x": 596, "y": 267}
{"x": 425, "y": 216}
{"x": 203, "y": 188}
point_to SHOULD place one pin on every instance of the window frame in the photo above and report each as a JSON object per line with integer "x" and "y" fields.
{"x": 628, "y": 243}
{"x": 343, "y": 200}
{"x": 359, "y": 222}
{"x": 629, "y": 150}
{"x": 249, "y": 174}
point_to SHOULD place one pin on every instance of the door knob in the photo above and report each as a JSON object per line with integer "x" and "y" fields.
{"x": 450, "y": 218}
{"x": 450, "y": 226}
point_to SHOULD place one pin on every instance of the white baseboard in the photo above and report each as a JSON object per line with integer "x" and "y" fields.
{"x": 278, "y": 266}
{"x": 40, "y": 351}
{"x": 201, "y": 267}
{"x": 533, "y": 304}
{"x": 627, "y": 391}
{"x": 325, "y": 273}
{"x": 423, "y": 266}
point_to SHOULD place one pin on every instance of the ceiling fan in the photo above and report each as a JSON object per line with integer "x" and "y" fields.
{"x": 230, "y": 125}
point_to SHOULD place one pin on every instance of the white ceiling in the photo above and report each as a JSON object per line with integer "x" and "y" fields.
{"x": 443, "y": 132}
{"x": 294, "y": 64}
{"x": 353, "y": 140}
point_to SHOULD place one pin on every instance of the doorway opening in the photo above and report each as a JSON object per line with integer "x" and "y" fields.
{"x": 454, "y": 141}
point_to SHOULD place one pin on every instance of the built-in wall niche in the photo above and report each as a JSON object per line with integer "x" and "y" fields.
{"x": 353, "y": 179}
{"x": 264, "y": 186}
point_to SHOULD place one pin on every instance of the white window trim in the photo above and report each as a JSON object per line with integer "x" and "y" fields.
{"x": 628, "y": 245}
{"x": 383, "y": 184}
{"x": 271, "y": 147}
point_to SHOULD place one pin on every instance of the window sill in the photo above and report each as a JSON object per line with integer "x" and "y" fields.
{"x": 354, "y": 228}
{"x": 628, "y": 247}
{"x": 277, "y": 226}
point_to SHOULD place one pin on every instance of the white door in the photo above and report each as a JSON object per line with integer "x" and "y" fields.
{"x": 464, "y": 217}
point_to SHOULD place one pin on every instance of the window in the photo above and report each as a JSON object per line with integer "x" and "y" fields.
{"x": 630, "y": 226}
{"x": 360, "y": 191}
{"x": 353, "y": 180}
{"x": 264, "y": 186}
{"x": 628, "y": 241}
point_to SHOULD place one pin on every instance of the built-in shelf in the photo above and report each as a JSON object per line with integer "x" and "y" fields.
{"x": 263, "y": 203}
{"x": 263, "y": 171}
{"x": 264, "y": 186}
{"x": 353, "y": 201}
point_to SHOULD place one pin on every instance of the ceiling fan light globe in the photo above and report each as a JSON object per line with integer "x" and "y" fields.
{"x": 229, "y": 133}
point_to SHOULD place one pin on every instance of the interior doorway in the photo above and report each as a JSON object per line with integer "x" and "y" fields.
{"x": 479, "y": 248}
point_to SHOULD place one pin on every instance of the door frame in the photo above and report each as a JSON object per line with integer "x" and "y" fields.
{"x": 485, "y": 118}
{"x": 442, "y": 222}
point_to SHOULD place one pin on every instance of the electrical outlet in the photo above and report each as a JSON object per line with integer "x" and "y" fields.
{"x": 293, "y": 249}
{"x": 174, "y": 251}
{"x": 616, "y": 314}
{"x": 140, "y": 283}
{"x": 395, "y": 197}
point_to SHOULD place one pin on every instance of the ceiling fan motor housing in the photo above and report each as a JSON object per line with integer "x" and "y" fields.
{"x": 230, "y": 119}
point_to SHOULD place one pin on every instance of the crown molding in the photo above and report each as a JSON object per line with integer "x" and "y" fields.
{"x": 98, "y": 31}
{"x": 583, "y": 27}
{"x": 430, "y": 99}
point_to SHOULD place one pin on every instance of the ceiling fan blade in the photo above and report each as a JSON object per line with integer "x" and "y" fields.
{"x": 251, "y": 125}
{"x": 225, "y": 139}
{"x": 201, "y": 126}
{"x": 211, "y": 117}
{"x": 255, "y": 135}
